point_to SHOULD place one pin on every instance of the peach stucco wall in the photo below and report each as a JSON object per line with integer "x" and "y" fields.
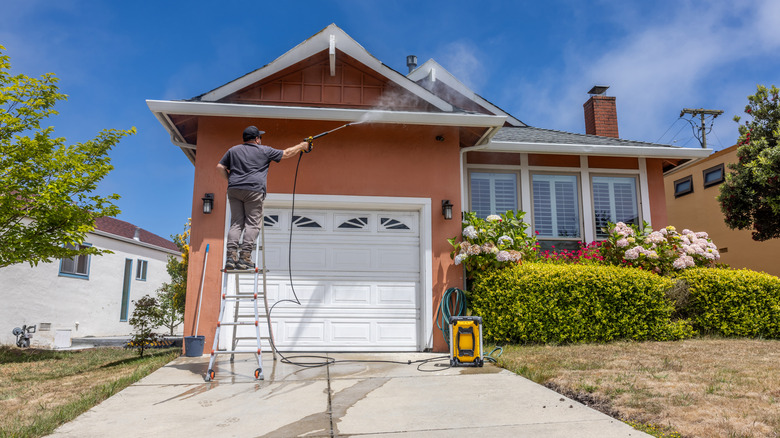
{"x": 361, "y": 160}
{"x": 655, "y": 185}
{"x": 700, "y": 211}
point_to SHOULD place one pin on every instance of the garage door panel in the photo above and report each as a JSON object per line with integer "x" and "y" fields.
{"x": 351, "y": 294}
{"x": 356, "y": 273}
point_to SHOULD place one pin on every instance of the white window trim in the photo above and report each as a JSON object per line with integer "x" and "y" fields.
{"x": 532, "y": 221}
{"x": 493, "y": 169}
{"x": 636, "y": 177}
{"x": 584, "y": 172}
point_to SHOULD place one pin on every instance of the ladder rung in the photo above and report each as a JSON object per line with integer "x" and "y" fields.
{"x": 239, "y": 323}
{"x": 240, "y": 297}
{"x": 244, "y": 271}
{"x": 234, "y": 352}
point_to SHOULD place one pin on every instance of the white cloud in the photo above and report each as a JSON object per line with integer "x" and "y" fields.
{"x": 689, "y": 57}
{"x": 465, "y": 61}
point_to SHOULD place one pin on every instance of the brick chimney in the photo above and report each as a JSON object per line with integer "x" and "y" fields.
{"x": 600, "y": 113}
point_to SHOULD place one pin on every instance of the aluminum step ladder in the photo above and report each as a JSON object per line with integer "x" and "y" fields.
{"x": 246, "y": 312}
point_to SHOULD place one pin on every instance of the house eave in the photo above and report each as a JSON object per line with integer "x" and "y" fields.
{"x": 598, "y": 150}
{"x": 163, "y": 108}
{"x": 135, "y": 242}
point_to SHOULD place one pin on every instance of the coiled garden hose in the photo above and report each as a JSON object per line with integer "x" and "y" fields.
{"x": 453, "y": 303}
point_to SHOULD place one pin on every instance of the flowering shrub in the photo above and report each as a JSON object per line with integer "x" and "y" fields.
{"x": 662, "y": 251}
{"x": 587, "y": 254}
{"x": 493, "y": 242}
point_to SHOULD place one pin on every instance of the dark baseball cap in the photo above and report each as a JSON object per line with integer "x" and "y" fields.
{"x": 251, "y": 132}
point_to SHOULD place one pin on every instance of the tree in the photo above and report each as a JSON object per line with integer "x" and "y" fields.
{"x": 750, "y": 196}
{"x": 171, "y": 296}
{"x": 145, "y": 318}
{"x": 46, "y": 202}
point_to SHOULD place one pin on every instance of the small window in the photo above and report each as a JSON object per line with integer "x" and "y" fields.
{"x": 713, "y": 175}
{"x": 683, "y": 186}
{"x": 140, "y": 270}
{"x": 77, "y": 266}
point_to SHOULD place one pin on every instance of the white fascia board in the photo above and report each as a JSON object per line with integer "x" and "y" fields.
{"x": 328, "y": 114}
{"x": 317, "y": 44}
{"x": 590, "y": 149}
{"x": 135, "y": 242}
{"x": 451, "y": 81}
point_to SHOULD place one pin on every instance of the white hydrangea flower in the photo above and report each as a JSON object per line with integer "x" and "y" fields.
{"x": 469, "y": 232}
{"x": 503, "y": 256}
{"x": 493, "y": 218}
{"x": 633, "y": 253}
{"x": 678, "y": 263}
{"x": 505, "y": 240}
{"x": 460, "y": 258}
{"x": 622, "y": 243}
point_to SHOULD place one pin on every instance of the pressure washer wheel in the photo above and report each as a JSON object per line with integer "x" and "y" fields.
{"x": 479, "y": 362}
{"x": 210, "y": 375}
{"x": 259, "y": 374}
{"x": 454, "y": 362}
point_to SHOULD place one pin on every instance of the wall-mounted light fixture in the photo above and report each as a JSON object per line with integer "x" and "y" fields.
{"x": 208, "y": 203}
{"x": 446, "y": 209}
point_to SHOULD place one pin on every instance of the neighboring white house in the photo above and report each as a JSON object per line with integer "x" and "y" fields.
{"x": 87, "y": 295}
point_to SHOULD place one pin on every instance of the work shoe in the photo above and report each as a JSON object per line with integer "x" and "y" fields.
{"x": 245, "y": 261}
{"x": 232, "y": 259}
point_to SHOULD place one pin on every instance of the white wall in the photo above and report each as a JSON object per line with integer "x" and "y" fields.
{"x": 35, "y": 295}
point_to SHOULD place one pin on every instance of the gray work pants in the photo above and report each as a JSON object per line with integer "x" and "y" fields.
{"x": 246, "y": 212}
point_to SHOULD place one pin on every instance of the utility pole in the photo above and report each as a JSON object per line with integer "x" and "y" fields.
{"x": 702, "y": 112}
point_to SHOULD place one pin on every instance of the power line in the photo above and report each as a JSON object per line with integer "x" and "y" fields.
{"x": 702, "y": 113}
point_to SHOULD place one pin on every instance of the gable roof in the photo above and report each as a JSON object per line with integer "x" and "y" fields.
{"x": 431, "y": 75}
{"x": 180, "y": 118}
{"x": 328, "y": 39}
{"x": 113, "y": 227}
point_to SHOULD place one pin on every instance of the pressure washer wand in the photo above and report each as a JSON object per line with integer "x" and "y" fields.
{"x": 311, "y": 139}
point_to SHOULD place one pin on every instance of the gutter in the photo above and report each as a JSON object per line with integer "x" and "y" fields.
{"x": 163, "y": 107}
{"x": 134, "y": 242}
{"x": 590, "y": 149}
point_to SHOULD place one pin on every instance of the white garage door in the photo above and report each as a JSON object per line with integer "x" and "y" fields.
{"x": 356, "y": 274}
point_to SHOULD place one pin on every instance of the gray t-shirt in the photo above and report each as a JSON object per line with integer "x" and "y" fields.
{"x": 248, "y": 165}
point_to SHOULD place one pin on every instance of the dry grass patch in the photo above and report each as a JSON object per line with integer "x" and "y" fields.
{"x": 697, "y": 387}
{"x": 41, "y": 389}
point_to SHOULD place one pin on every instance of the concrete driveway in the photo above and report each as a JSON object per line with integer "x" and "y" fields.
{"x": 347, "y": 398}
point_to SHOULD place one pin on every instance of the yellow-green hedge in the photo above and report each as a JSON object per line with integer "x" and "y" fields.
{"x": 551, "y": 303}
{"x": 732, "y": 302}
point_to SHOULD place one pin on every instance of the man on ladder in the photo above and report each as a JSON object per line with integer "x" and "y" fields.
{"x": 245, "y": 166}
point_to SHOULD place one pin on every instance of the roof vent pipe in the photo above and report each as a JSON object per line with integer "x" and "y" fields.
{"x": 137, "y": 234}
{"x": 411, "y": 62}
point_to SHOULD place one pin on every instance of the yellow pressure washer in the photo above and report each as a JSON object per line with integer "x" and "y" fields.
{"x": 466, "y": 341}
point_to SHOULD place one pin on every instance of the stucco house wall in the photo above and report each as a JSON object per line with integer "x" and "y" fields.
{"x": 700, "y": 211}
{"x": 80, "y": 307}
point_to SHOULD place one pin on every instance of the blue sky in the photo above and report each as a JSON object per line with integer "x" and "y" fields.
{"x": 536, "y": 60}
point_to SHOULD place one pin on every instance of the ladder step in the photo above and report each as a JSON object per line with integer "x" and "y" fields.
{"x": 234, "y": 352}
{"x": 252, "y": 338}
{"x": 244, "y": 271}
{"x": 240, "y": 323}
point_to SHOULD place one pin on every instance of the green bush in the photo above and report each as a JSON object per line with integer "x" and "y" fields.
{"x": 551, "y": 303}
{"x": 731, "y": 302}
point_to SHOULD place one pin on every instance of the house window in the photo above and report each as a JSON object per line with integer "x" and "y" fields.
{"x": 140, "y": 270}
{"x": 713, "y": 175}
{"x": 493, "y": 193}
{"x": 614, "y": 200}
{"x": 126, "y": 279}
{"x": 556, "y": 207}
{"x": 683, "y": 186}
{"x": 78, "y": 266}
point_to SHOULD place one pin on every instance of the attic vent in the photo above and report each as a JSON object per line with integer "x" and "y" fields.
{"x": 411, "y": 62}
